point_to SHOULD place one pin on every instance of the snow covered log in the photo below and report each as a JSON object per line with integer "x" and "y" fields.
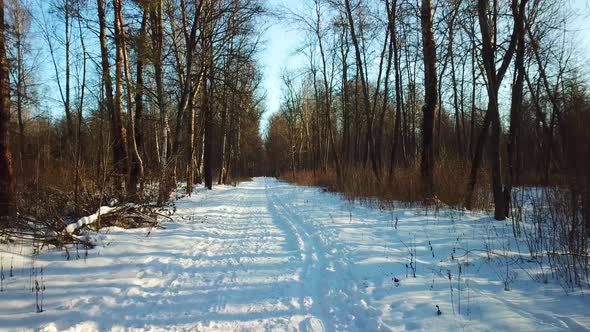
{"x": 103, "y": 210}
{"x": 127, "y": 216}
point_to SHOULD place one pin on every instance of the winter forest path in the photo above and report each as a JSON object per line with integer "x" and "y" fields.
{"x": 266, "y": 255}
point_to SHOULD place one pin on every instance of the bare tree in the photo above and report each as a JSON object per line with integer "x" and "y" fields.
{"x": 6, "y": 175}
{"x": 20, "y": 21}
{"x": 494, "y": 79}
{"x": 135, "y": 161}
{"x": 430, "y": 100}
{"x": 365, "y": 88}
{"x": 208, "y": 104}
{"x": 515, "y": 114}
{"x": 157, "y": 37}
{"x": 119, "y": 139}
{"x": 397, "y": 134}
{"x": 137, "y": 169}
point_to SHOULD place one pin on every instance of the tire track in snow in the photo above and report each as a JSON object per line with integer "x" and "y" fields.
{"x": 344, "y": 297}
{"x": 313, "y": 262}
{"x": 205, "y": 246}
{"x": 242, "y": 234}
{"x": 236, "y": 246}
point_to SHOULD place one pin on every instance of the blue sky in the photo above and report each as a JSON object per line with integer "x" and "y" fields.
{"x": 278, "y": 53}
{"x": 282, "y": 41}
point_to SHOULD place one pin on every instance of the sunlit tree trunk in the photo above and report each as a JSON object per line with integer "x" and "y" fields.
{"x": 6, "y": 176}
{"x": 118, "y": 133}
{"x": 136, "y": 172}
{"x": 135, "y": 161}
{"x": 157, "y": 50}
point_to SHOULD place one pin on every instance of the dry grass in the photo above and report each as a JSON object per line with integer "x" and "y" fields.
{"x": 404, "y": 186}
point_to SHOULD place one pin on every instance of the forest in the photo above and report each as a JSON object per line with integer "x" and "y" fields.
{"x": 463, "y": 104}
{"x": 127, "y": 107}
{"x": 397, "y": 101}
{"x": 151, "y": 93}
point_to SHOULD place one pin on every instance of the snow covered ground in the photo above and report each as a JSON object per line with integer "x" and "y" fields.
{"x": 272, "y": 256}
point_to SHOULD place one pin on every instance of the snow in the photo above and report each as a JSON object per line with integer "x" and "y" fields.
{"x": 89, "y": 219}
{"x": 266, "y": 255}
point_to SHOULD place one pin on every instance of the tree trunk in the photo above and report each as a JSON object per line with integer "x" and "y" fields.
{"x": 430, "y": 100}
{"x": 451, "y": 55}
{"x": 208, "y": 77}
{"x": 118, "y": 102}
{"x": 6, "y": 177}
{"x": 345, "y": 142}
{"x": 20, "y": 94}
{"x": 157, "y": 45}
{"x": 365, "y": 91}
{"x": 187, "y": 83}
{"x": 386, "y": 56}
{"x": 69, "y": 118}
{"x": 327, "y": 96}
{"x": 473, "y": 91}
{"x": 397, "y": 137}
{"x": 136, "y": 163}
{"x": 224, "y": 133}
{"x": 515, "y": 115}
{"x": 78, "y": 179}
{"x": 228, "y": 150}
{"x": 207, "y": 132}
{"x": 137, "y": 170}
{"x": 201, "y": 155}
{"x": 494, "y": 79}
{"x": 192, "y": 174}
{"x": 118, "y": 132}
{"x": 476, "y": 162}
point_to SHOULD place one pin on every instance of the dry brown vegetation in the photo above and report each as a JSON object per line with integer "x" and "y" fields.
{"x": 405, "y": 186}
{"x": 153, "y": 95}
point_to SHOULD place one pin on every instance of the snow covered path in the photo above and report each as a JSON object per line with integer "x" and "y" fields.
{"x": 271, "y": 256}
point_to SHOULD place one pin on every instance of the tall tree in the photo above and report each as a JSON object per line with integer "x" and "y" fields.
{"x": 328, "y": 79}
{"x": 66, "y": 101}
{"x": 157, "y": 27}
{"x": 360, "y": 63}
{"x": 430, "y": 100}
{"x": 6, "y": 175}
{"x": 137, "y": 166}
{"x": 494, "y": 80}
{"x": 135, "y": 161}
{"x": 119, "y": 139}
{"x": 186, "y": 78}
{"x": 20, "y": 23}
{"x": 207, "y": 39}
{"x": 515, "y": 115}
{"x": 397, "y": 134}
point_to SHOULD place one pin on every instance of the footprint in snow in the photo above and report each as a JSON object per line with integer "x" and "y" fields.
{"x": 307, "y": 302}
{"x": 311, "y": 324}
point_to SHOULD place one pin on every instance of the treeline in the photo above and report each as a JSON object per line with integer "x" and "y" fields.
{"x": 150, "y": 93}
{"x": 453, "y": 100}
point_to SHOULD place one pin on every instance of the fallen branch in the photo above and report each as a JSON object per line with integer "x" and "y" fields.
{"x": 58, "y": 232}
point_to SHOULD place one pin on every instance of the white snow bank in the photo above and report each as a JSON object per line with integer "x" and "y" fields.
{"x": 267, "y": 255}
{"x": 89, "y": 219}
